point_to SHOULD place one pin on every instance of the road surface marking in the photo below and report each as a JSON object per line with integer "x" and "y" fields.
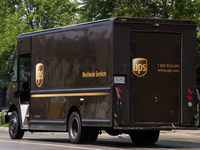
{"x": 42, "y": 144}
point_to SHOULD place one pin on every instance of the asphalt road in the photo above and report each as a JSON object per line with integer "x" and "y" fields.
{"x": 180, "y": 140}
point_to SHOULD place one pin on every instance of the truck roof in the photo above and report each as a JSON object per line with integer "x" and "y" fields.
{"x": 58, "y": 29}
{"x": 116, "y": 19}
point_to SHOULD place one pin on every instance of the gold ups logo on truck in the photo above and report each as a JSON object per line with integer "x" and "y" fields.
{"x": 139, "y": 66}
{"x": 39, "y": 74}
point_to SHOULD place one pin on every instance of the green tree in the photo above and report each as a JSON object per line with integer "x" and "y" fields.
{"x": 166, "y": 9}
{"x": 11, "y": 25}
{"x": 135, "y": 8}
{"x": 50, "y": 13}
{"x": 96, "y": 10}
{"x": 22, "y": 16}
{"x": 101, "y": 9}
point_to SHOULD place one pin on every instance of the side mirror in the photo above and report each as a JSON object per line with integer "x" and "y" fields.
{"x": 11, "y": 72}
{"x": 11, "y": 59}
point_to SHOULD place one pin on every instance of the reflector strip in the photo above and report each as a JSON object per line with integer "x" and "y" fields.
{"x": 71, "y": 94}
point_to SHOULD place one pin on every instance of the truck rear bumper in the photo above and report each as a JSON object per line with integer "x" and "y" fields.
{"x": 6, "y": 118}
{"x": 157, "y": 128}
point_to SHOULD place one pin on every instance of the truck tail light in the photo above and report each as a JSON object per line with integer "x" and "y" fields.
{"x": 190, "y": 104}
{"x": 118, "y": 92}
{"x": 190, "y": 91}
{"x": 190, "y": 97}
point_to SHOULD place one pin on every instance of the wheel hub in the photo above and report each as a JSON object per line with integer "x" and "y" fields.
{"x": 74, "y": 128}
{"x": 13, "y": 124}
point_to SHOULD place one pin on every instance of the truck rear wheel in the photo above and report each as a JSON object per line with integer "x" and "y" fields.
{"x": 77, "y": 133}
{"x": 92, "y": 135}
{"x": 148, "y": 137}
{"x": 15, "y": 131}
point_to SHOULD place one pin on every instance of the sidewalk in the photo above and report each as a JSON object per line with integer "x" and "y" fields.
{"x": 3, "y": 129}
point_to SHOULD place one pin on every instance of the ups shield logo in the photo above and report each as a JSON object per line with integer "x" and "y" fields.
{"x": 139, "y": 66}
{"x": 39, "y": 74}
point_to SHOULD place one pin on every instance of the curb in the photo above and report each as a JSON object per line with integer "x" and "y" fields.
{"x": 190, "y": 132}
{"x": 4, "y": 129}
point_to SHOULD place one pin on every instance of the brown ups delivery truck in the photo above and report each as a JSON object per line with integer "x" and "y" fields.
{"x": 121, "y": 75}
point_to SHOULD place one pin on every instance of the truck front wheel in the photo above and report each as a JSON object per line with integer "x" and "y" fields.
{"x": 148, "y": 137}
{"x": 77, "y": 133}
{"x": 15, "y": 131}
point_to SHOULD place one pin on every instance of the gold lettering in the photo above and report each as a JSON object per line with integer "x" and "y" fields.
{"x": 169, "y": 68}
{"x": 39, "y": 75}
{"x": 83, "y": 74}
{"x": 94, "y": 74}
{"x": 169, "y": 65}
{"x": 144, "y": 67}
{"x": 161, "y": 65}
{"x": 176, "y": 66}
{"x": 135, "y": 67}
{"x": 139, "y": 68}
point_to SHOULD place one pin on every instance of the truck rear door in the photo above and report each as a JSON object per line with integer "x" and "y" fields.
{"x": 155, "y": 79}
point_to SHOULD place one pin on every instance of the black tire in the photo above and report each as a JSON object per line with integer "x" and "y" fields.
{"x": 15, "y": 130}
{"x": 92, "y": 135}
{"x": 77, "y": 133}
{"x": 148, "y": 137}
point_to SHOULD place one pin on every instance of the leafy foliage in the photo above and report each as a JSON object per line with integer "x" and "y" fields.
{"x": 1, "y": 118}
{"x": 130, "y": 9}
{"x": 49, "y": 13}
{"x": 21, "y": 16}
{"x": 10, "y": 26}
{"x": 2, "y": 124}
{"x": 96, "y": 10}
{"x": 167, "y": 9}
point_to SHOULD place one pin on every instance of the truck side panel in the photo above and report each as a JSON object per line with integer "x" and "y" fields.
{"x": 71, "y": 69}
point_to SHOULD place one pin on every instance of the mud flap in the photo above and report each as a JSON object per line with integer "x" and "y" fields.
{"x": 198, "y": 100}
{"x": 6, "y": 118}
{"x": 198, "y": 95}
{"x": 25, "y": 115}
{"x": 196, "y": 90}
